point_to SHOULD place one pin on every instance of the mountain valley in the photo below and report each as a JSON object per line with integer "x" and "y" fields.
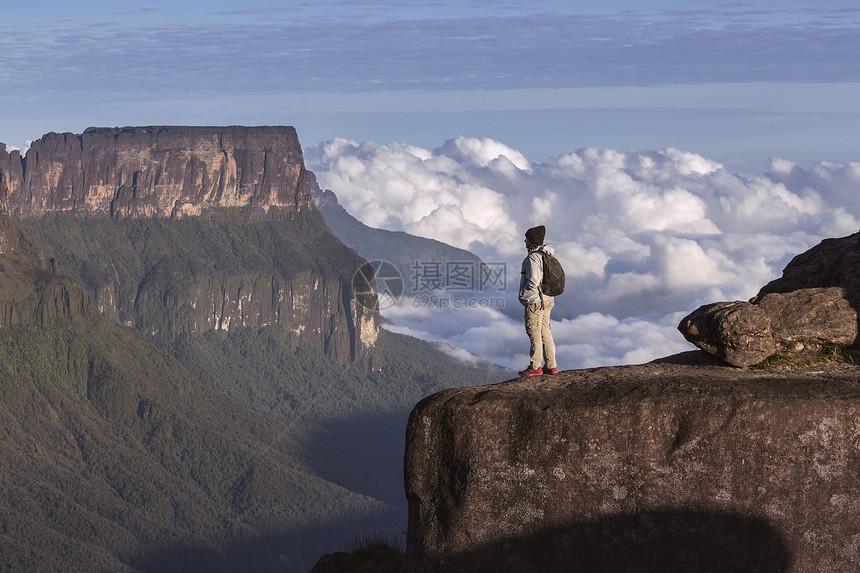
{"x": 196, "y": 388}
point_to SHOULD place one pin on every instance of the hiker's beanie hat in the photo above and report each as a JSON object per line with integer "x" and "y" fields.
{"x": 535, "y": 235}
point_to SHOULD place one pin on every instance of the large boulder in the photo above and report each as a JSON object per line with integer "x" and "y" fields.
{"x": 658, "y": 467}
{"x": 813, "y": 305}
{"x": 746, "y": 333}
{"x": 737, "y": 332}
{"x": 833, "y": 262}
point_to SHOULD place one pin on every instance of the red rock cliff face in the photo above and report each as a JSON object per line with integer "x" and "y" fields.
{"x": 161, "y": 172}
{"x": 8, "y": 231}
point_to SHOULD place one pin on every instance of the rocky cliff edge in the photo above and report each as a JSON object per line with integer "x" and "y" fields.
{"x": 668, "y": 466}
{"x": 684, "y": 464}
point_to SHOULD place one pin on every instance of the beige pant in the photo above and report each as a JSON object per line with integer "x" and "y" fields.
{"x": 541, "y": 344}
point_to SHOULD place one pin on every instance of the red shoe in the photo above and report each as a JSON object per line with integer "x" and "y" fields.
{"x": 531, "y": 371}
{"x": 550, "y": 370}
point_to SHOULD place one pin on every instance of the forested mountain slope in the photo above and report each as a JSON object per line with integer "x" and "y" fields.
{"x": 115, "y": 457}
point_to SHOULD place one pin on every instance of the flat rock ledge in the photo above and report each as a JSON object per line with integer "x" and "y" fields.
{"x": 667, "y": 466}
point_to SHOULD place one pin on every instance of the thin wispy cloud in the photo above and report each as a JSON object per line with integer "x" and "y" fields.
{"x": 66, "y": 67}
{"x": 530, "y": 51}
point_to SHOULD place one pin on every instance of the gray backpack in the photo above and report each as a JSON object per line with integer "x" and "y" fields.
{"x": 552, "y": 283}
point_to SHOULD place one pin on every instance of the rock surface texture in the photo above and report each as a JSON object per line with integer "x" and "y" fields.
{"x": 160, "y": 172}
{"x": 815, "y": 303}
{"x": 8, "y": 232}
{"x": 666, "y": 466}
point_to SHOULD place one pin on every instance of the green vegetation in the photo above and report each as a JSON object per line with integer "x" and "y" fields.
{"x": 116, "y": 458}
{"x": 355, "y": 419}
{"x": 98, "y": 249}
{"x": 169, "y": 277}
{"x": 257, "y": 368}
{"x": 374, "y": 554}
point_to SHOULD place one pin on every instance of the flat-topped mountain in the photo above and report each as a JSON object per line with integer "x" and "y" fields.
{"x": 188, "y": 230}
{"x": 160, "y": 171}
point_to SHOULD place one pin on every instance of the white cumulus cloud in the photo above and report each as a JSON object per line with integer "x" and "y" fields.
{"x": 645, "y": 236}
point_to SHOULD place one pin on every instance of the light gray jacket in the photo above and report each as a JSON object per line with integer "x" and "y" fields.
{"x": 532, "y": 274}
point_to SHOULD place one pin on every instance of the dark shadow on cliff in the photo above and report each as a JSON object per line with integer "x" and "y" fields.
{"x": 286, "y": 551}
{"x": 363, "y": 454}
{"x": 693, "y": 358}
{"x": 687, "y": 541}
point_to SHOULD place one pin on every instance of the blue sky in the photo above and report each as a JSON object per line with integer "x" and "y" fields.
{"x": 734, "y": 81}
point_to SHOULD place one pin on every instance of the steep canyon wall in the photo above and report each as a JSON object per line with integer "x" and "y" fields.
{"x": 160, "y": 172}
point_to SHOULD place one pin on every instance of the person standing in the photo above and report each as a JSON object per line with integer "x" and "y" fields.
{"x": 537, "y": 306}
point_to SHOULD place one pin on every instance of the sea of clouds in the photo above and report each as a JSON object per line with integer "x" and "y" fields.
{"x": 645, "y": 236}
